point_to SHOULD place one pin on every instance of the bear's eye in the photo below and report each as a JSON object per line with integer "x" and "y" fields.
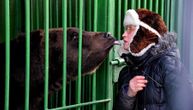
{"x": 74, "y": 36}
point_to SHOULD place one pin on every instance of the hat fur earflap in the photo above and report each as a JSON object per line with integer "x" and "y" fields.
{"x": 150, "y": 28}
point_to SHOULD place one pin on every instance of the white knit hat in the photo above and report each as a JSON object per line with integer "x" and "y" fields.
{"x": 131, "y": 18}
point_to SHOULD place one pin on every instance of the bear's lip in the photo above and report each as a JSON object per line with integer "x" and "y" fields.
{"x": 110, "y": 43}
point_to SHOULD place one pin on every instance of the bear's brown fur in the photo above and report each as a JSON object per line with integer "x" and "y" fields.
{"x": 95, "y": 47}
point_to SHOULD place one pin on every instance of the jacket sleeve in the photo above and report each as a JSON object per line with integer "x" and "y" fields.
{"x": 178, "y": 88}
{"x": 123, "y": 101}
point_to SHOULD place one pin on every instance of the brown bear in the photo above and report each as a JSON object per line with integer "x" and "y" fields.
{"x": 95, "y": 47}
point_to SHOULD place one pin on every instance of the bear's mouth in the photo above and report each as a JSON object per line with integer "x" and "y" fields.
{"x": 111, "y": 43}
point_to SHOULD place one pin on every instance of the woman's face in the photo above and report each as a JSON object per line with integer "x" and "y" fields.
{"x": 128, "y": 35}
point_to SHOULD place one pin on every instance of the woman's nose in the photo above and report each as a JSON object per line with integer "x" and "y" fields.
{"x": 124, "y": 34}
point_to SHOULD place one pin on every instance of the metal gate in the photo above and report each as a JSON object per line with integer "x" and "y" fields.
{"x": 87, "y": 93}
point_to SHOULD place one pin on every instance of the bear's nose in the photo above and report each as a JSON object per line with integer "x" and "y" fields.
{"x": 108, "y": 35}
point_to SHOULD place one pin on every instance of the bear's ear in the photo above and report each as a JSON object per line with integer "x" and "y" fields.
{"x": 35, "y": 36}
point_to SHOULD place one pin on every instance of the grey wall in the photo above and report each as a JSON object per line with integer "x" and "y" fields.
{"x": 187, "y": 35}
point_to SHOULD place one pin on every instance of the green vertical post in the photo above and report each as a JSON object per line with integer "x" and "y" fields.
{"x": 94, "y": 75}
{"x": 70, "y": 24}
{"x": 151, "y": 5}
{"x": 32, "y": 15}
{"x": 110, "y": 28}
{"x": 125, "y": 5}
{"x": 168, "y": 14}
{"x": 17, "y": 18}
{"x": 46, "y": 30}
{"x": 37, "y": 14}
{"x": 70, "y": 12}
{"x": 162, "y": 8}
{"x": 50, "y": 14}
{"x": 139, "y": 4}
{"x": 76, "y": 13}
{"x": 79, "y": 54}
{"x": 119, "y": 20}
{"x": 7, "y": 54}
{"x": 64, "y": 25}
{"x": 27, "y": 30}
{"x": 172, "y": 15}
{"x": 89, "y": 14}
{"x": 133, "y": 3}
{"x": 144, "y": 3}
{"x": 156, "y": 6}
{"x": 89, "y": 27}
{"x": 57, "y": 7}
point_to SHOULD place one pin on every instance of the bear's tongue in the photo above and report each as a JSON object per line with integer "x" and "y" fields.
{"x": 117, "y": 42}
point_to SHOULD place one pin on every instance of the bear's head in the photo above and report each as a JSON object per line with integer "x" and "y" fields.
{"x": 95, "y": 47}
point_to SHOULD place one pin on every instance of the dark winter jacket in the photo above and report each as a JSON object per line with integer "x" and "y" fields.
{"x": 168, "y": 87}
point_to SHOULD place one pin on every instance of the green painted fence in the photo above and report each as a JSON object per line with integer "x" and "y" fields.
{"x": 90, "y": 92}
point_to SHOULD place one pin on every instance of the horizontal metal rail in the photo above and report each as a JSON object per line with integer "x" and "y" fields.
{"x": 81, "y": 104}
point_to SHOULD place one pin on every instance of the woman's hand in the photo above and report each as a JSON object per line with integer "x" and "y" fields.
{"x": 136, "y": 84}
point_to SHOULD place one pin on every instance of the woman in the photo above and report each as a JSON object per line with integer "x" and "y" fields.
{"x": 154, "y": 78}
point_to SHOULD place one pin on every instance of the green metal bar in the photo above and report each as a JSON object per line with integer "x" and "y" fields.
{"x": 76, "y": 13}
{"x": 64, "y": 25}
{"x": 125, "y": 5}
{"x": 46, "y": 28}
{"x": 138, "y": 3}
{"x": 57, "y": 7}
{"x": 16, "y": 20}
{"x": 144, "y": 3}
{"x": 41, "y": 8}
{"x": 110, "y": 28}
{"x": 156, "y": 6}
{"x": 133, "y": 3}
{"x": 119, "y": 20}
{"x": 172, "y": 15}
{"x": 51, "y": 14}
{"x": 151, "y": 5}
{"x": 7, "y": 54}
{"x": 168, "y": 14}
{"x": 27, "y": 29}
{"x": 37, "y": 14}
{"x": 162, "y": 8}
{"x": 79, "y": 54}
{"x": 82, "y": 104}
{"x": 94, "y": 75}
{"x": 32, "y": 15}
{"x": 70, "y": 92}
{"x": 89, "y": 15}
{"x": 70, "y": 12}
{"x": 83, "y": 89}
